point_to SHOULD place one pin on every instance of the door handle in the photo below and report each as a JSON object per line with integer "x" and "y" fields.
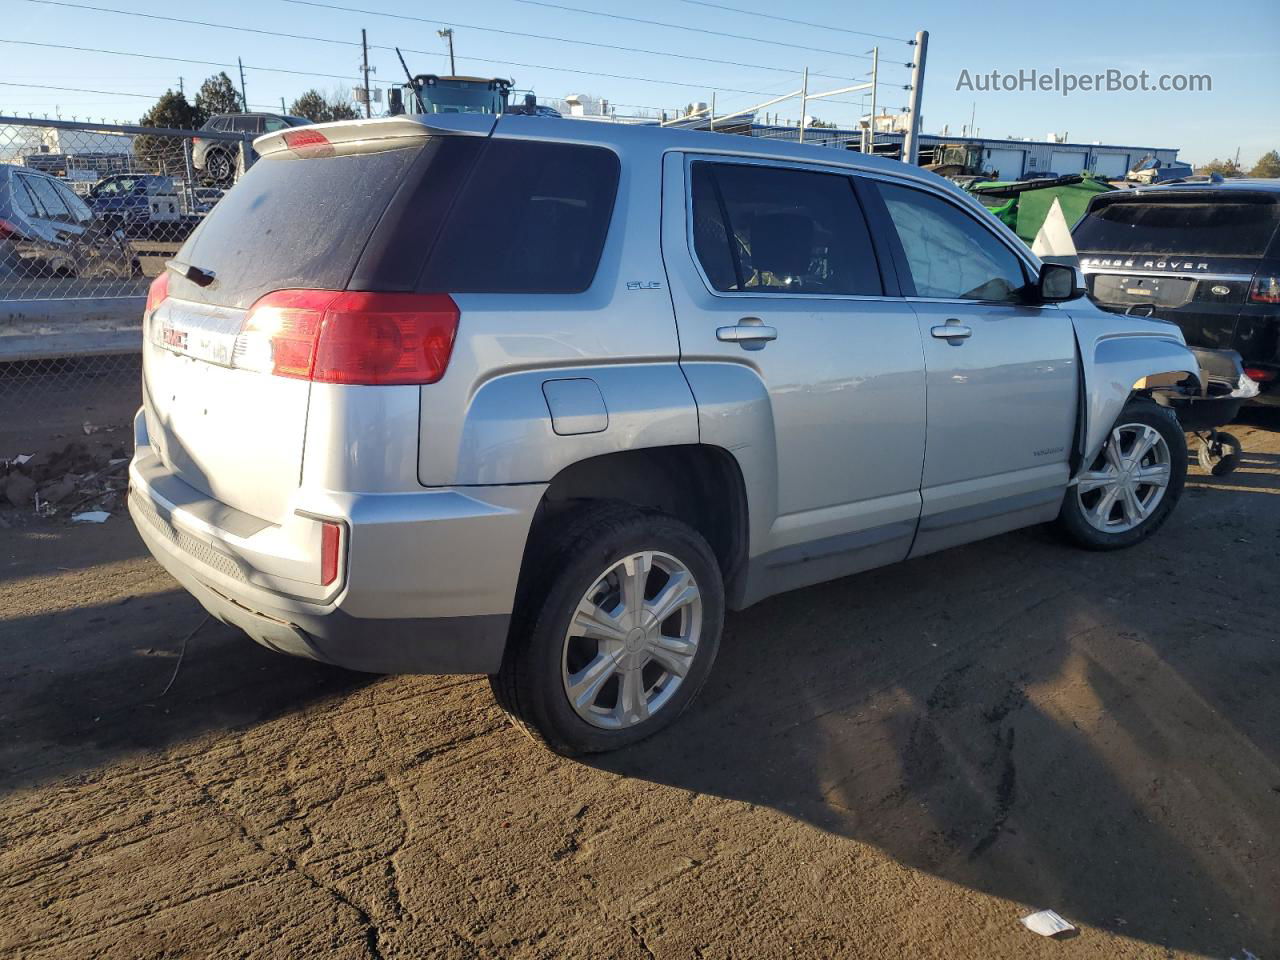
{"x": 749, "y": 333}
{"x": 952, "y": 331}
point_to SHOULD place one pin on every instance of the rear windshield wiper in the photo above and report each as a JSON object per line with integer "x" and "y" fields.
{"x": 201, "y": 278}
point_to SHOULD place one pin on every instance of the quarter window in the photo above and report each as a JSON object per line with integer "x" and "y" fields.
{"x": 532, "y": 218}
{"x": 48, "y": 198}
{"x": 761, "y": 229}
{"x": 950, "y": 255}
{"x": 22, "y": 197}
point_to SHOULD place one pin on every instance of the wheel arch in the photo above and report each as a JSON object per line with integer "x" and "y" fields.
{"x": 1116, "y": 368}
{"x": 699, "y": 484}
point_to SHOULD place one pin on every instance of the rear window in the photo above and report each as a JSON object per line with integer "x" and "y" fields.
{"x": 1189, "y": 226}
{"x": 531, "y": 218}
{"x": 292, "y": 222}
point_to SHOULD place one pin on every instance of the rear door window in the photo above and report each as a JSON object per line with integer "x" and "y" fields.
{"x": 244, "y": 124}
{"x": 949, "y": 254}
{"x": 78, "y": 209}
{"x": 532, "y": 218}
{"x": 760, "y": 229}
{"x": 1190, "y": 226}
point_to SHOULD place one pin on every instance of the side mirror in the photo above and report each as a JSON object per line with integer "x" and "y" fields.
{"x": 1059, "y": 283}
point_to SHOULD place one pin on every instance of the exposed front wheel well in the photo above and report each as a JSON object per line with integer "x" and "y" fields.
{"x": 698, "y": 484}
{"x": 1183, "y": 382}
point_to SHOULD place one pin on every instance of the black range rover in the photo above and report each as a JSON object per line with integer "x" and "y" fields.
{"x": 1203, "y": 255}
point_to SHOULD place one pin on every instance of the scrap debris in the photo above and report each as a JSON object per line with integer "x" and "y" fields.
{"x": 1047, "y": 923}
{"x": 74, "y": 482}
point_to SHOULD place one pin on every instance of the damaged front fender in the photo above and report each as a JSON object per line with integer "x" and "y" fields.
{"x": 1117, "y": 353}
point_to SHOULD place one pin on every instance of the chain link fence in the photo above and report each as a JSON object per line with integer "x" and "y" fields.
{"x": 88, "y": 216}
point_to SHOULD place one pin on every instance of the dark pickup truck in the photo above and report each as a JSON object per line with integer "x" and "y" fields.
{"x": 1204, "y": 255}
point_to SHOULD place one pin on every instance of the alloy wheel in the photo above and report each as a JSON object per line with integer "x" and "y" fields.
{"x": 1127, "y": 481}
{"x": 632, "y": 640}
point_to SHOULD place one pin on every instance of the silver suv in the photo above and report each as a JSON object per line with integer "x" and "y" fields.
{"x": 216, "y": 159}
{"x": 543, "y": 400}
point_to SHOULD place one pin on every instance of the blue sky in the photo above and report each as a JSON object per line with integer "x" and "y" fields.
{"x": 1240, "y": 51}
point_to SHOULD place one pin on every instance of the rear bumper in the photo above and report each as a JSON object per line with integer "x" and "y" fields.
{"x": 428, "y": 581}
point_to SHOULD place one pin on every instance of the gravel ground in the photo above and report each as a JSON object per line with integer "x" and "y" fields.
{"x": 899, "y": 764}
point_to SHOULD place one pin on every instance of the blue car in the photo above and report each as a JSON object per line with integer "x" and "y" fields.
{"x": 134, "y": 198}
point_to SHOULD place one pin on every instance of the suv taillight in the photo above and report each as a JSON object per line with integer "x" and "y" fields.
{"x": 158, "y": 292}
{"x": 329, "y": 336}
{"x": 8, "y": 229}
{"x": 1265, "y": 290}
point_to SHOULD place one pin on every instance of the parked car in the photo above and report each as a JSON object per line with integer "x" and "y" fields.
{"x": 1205, "y": 256}
{"x": 540, "y": 400}
{"x": 135, "y": 198}
{"x": 1151, "y": 170}
{"x": 48, "y": 231}
{"x": 217, "y": 159}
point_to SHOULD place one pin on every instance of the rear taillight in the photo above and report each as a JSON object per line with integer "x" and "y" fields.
{"x": 1259, "y": 375}
{"x": 9, "y": 229}
{"x": 1265, "y": 290}
{"x": 330, "y": 548}
{"x": 325, "y": 336}
{"x": 158, "y": 292}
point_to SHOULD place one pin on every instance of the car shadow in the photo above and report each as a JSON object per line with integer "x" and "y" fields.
{"x": 84, "y": 686}
{"x": 1063, "y": 729}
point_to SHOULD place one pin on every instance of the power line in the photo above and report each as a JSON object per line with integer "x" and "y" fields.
{"x": 350, "y": 43}
{"x": 685, "y": 27}
{"x": 193, "y": 23}
{"x": 525, "y": 35}
{"x": 803, "y": 23}
{"x": 153, "y": 56}
{"x": 108, "y": 93}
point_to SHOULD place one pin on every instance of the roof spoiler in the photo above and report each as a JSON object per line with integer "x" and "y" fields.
{"x": 344, "y": 137}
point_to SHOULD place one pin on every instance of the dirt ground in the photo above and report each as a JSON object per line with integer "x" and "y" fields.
{"x": 899, "y": 764}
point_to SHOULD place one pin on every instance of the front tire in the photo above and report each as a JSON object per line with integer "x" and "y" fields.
{"x": 1134, "y": 483}
{"x": 616, "y": 629}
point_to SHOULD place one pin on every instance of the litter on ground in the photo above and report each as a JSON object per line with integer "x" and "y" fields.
{"x": 1046, "y": 923}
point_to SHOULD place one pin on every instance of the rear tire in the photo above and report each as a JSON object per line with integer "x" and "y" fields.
{"x": 1134, "y": 483}
{"x": 218, "y": 168}
{"x": 625, "y": 609}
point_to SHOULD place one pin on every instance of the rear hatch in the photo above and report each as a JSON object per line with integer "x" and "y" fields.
{"x": 298, "y": 220}
{"x": 1182, "y": 254}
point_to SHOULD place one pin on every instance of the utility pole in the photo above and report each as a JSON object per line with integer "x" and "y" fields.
{"x": 447, "y": 34}
{"x": 875, "y": 71}
{"x": 364, "y": 53}
{"x": 181, "y": 89}
{"x": 244, "y": 99}
{"x": 804, "y": 100}
{"x": 973, "y": 115}
{"x": 911, "y": 142}
{"x": 283, "y": 109}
